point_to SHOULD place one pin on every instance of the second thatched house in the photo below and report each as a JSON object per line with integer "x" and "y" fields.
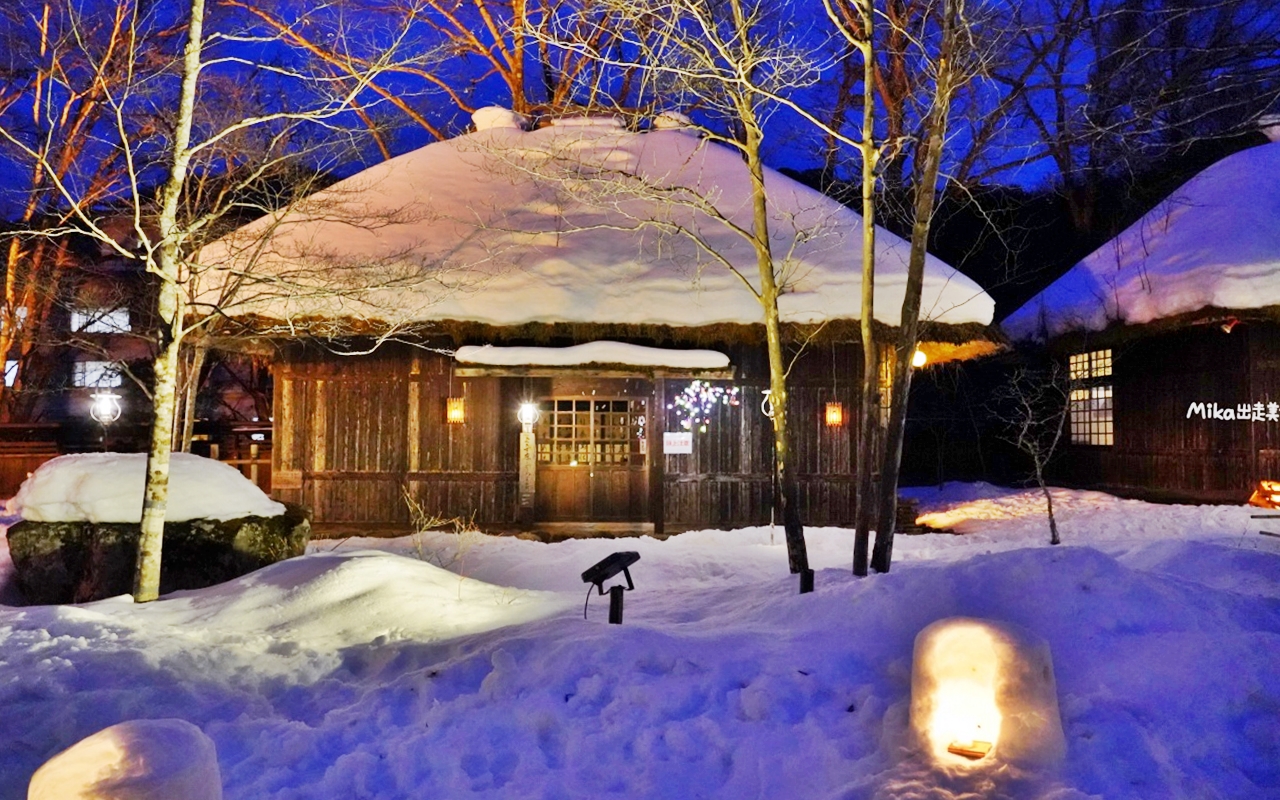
{"x": 1171, "y": 333}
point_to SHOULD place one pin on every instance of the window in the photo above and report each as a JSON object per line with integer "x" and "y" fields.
{"x": 1092, "y": 401}
{"x": 19, "y": 317}
{"x": 10, "y": 372}
{"x": 97, "y": 375}
{"x": 100, "y": 320}
{"x": 1094, "y": 364}
{"x": 582, "y": 432}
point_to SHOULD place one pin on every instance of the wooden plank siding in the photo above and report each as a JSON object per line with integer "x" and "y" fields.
{"x": 353, "y": 434}
{"x": 1158, "y": 449}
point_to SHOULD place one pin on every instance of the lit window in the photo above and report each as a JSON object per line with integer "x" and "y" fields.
{"x": 1092, "y": 400}
{"x": 10, "y": 372}
{"x": 100, "y": 320}
{"x": 1094, "y": 364}
{"x": 97, "y": 375}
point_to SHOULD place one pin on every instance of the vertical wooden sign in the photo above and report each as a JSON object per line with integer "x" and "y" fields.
{"x": 528, "y": 466}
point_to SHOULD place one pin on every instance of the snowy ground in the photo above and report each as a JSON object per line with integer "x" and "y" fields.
{"x": 364, "y": 670}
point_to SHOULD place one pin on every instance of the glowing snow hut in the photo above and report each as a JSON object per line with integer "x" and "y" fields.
{"x": 984, "y": 691}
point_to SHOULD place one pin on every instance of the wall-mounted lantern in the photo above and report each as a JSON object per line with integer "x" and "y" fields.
{"x": 919, "y": 359}
{"x": 835, "y": 415}
{"x": 455, "y": 410}
{"x": 984, "y": 692}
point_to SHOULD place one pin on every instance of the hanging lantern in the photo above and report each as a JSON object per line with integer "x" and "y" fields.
{"x": 919, "y": 359}
{"x": 455, "y": 410}
{"x": 835, "y": 415}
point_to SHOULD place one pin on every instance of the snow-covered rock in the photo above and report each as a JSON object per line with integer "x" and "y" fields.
{"x": 144, "y": 759}
{"x": 1213, "y": 242}
{"x": 107, "y": 487}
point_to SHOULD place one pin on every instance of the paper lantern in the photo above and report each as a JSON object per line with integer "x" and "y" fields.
{"x": 835, "y": 415}
{"x": 455, "y": 410}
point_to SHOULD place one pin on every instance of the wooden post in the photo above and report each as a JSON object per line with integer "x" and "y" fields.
{"x": 657, "y": 465}
{"x": 528, "y": 473}
{"x": 253, "y": 463}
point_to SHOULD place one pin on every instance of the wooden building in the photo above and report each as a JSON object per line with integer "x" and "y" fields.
{"x": 661, "y": 424}
{"x": 1171, "y": 334}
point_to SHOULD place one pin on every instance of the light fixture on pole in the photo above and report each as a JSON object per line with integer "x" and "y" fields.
{"x": 528, "y": 415}
{"x": 106, "y": 407}
{"x": 105, "y": 410}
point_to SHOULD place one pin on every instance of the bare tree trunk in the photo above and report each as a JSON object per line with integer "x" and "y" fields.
{"x": 870, "y": 417}
{"x": 199, "y": 353}
{"x": 936, "y": 127}
{"x": 169, "y": 305}
{"x": 793, "y": 528}
{"x": 1048, "y": 499}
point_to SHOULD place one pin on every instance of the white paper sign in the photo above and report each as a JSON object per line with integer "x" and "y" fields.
{"x": 676, "y": 443}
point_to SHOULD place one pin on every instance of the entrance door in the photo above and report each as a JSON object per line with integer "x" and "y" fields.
{"x": 592, "y": 459}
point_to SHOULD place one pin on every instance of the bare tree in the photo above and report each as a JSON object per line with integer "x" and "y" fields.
{"x": 856, "y": 24}
{"x": 55, "y": 93}
{"x": 1035, "y": 406}
{"x": 175, "y": 120}
{"x": 736, "y": 63}
{"x": 952, "y": 50}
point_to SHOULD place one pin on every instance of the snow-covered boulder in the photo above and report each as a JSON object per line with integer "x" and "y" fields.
{"x": 78, "y": 537}
{"x": 144, "y": 759}
{"x": 983, "y": 691}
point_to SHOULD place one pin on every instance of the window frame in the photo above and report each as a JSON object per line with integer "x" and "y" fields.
{"x": 1091, "y": 398}
{"x": 110, "y": 374}
{"x": 87, "y": 319}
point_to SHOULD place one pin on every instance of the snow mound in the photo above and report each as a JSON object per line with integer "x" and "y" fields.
{"x": 1215, "y": 242}
{"x": 491, "y": 117}
{"x": 107, "y": 487}
{"x": 334, "y": 600}
{"x": 145, "y": 759}
{"x": 592, "y": 353}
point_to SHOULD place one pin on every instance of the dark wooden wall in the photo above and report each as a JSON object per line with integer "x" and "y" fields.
{"x": 727, "y": 480}
{"x": 1158, "y": 450}
{"x": 353, "y": 435}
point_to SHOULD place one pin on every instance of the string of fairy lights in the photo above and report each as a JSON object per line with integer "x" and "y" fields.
{"x": 699, "y": 399}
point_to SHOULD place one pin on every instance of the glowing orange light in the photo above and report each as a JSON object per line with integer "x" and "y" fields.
{"x": 455, "y": 410}
{"x": 835, "y": 415}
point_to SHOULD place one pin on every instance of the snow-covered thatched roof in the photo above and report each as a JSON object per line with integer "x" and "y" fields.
{"x": 502, "y": 227}
{"x": 1215, "y": 242}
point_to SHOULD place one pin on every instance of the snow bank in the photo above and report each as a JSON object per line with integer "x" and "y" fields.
{"x": 107, "y": 487}
{"x": 145, "y": 759}
{"x": 343, "y": 674}
{"x": 1213, "y": 242}
{"x": 496, "y": 226}
{"x": 592, "y": 353}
